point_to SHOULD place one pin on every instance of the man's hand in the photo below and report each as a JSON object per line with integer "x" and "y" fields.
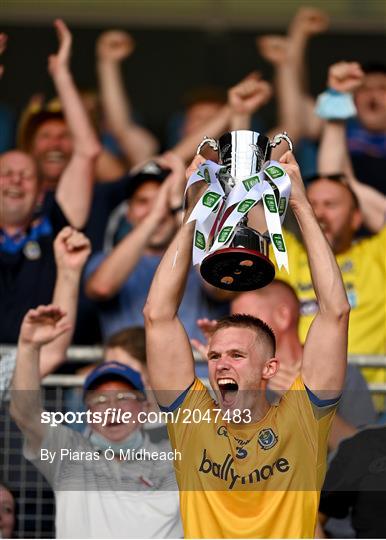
{"x": 61, "y": 60}
{"x": 176, "y": 177}
{"x": 298, "y": 192}
{"x": 42, "y": 325}
{"x": 207, "y": 327}
{"x": 274, "y": 49}
{"x": 249, "y": 95}
{"x": 195, "y": 191}
{"x": 72, "y": 249}
{"x": 309, "y": 21}
{"x": 285, "y": 376}
{"x": 345, "y": 76}
{"x": 114, "y": 46}
{"x": 3, "y": 46}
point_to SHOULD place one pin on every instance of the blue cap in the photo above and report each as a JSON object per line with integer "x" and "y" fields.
{"x": 113, "y": 370}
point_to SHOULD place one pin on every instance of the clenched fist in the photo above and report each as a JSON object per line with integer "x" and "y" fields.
{"x": 72, "y": 249}
{"x": 114, "y": 46}
{"x": 309, "y": 21}
{"x": 249, "y": 95}
{"x": 345, "y": 76}
{"x": 274, "y": 49}
{"x": 298, "y": 192}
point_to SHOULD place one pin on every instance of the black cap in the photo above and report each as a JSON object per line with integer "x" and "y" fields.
{"x": 151, "y": 171}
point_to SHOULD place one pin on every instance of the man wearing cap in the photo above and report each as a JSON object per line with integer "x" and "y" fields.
{"x": 121, "y": 278}
{"x": 99, "y": 492}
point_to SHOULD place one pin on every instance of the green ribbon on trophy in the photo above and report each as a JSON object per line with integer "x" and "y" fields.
{"x": 271, "y": 186}
{"x": 207, "y": 208}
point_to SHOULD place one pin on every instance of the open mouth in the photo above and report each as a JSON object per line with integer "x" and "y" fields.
{"x": 112, "y": 425}
{"x": 55, "y": 156}
{"x": 228, "y": 388}
{"x": 14, "y": 194}
{"x": 373, "y": 105}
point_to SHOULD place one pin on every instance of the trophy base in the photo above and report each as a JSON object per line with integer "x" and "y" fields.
{"x": 237, "y": 269}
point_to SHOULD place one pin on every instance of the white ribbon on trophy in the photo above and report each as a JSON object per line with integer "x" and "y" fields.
{"x": 207, "y": 208}
{"x": 243, "y": 197}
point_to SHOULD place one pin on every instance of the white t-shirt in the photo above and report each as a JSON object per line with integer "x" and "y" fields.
{"x": 109, "y": 499}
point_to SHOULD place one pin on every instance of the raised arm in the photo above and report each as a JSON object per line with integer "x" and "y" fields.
{"x": 245, "y": 98}
{"x": 75, "y": 188}
{"x": 325, "y": 349}
{"x": 115, "y": 269}
{"x": 333, "y": 153}
{"x": 137, "y": 142}
{"x": 307, "y": 22}
{"x": 40, "y": 327}
{"x": 215, "y": 127}
{"x": 169, "y": 354}
{"x": 72, "y": 249}
{"x": 287, "y": 55}
{"x": 278, "y": 51}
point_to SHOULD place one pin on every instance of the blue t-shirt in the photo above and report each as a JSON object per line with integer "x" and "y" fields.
{"x": 362, "y": 141}
{"x": 125, "y": 309}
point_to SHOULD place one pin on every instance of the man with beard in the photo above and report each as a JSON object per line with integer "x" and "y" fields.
{"x": 341, "y": 204}
{"x": 120, "y": 280}
{"x": 249, "y": 470}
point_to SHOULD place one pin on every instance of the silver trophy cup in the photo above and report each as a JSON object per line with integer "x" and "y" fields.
{"x": 244, "y": 265}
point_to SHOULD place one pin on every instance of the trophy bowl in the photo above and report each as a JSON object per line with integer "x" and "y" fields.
{"x": 244, "y": 263}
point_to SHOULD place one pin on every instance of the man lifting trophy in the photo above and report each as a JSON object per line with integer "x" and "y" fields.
{"x": 232, "y": 255}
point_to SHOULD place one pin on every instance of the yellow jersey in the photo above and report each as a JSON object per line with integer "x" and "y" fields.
{"x": 363, "y": 269}
{"x": 257, "y": 480}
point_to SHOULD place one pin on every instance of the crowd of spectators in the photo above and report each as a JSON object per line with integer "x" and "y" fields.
{"x": 88, "y": 208}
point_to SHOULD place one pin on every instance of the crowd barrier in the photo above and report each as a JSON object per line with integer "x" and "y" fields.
{"x": 35, "y": 501}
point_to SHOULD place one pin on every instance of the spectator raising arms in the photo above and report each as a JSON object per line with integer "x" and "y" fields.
{"x": 341, "y": 203}
{"x": 120, "y": 279}
{"x": 71, "y": 249}
{"x": 106, "y": 495}
{"x": 64, "y": 145}
{"x": 137, "y": 143}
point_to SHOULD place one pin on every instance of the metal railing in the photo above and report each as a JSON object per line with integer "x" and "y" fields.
{"x": 90, "y": 354}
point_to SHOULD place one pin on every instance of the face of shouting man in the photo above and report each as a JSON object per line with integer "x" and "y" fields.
{"x": 240, "y": 362}
{"x": 52, "y": 148}
{"x": 336, "y": 212}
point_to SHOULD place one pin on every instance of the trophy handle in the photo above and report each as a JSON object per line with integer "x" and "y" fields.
{"x": 281, "y": 137}
{"x": 210, "y": 141}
